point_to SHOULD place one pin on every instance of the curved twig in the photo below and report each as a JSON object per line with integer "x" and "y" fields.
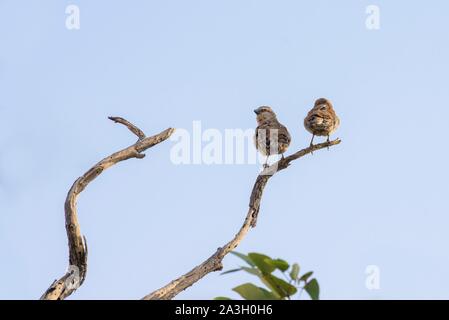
{"x": 214, "y": 262}
{"x": 74, "y": 277}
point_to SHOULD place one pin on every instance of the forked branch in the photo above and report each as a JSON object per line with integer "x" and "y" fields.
{"x": 76, "y": 273}
{"x": 214, "y": 262}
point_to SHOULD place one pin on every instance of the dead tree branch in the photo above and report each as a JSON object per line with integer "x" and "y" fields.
{"x": 214, "y": 262}
{"x": 74, "y": 277}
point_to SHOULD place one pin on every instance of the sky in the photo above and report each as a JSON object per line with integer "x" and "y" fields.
{"x": 377, "y": 199}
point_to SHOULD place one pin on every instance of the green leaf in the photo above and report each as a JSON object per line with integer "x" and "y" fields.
{"x": 306, "y": 276}
{"x": 244, "y": 257}
{"x": 249, "y": 291}
{"x": 280, "y": 286}
{"x": 231, "y": 271}
{"x": 253, "y": 271}
{"x": 294, "y": 272}
{"x": 262, "y": 262}
{"x": 222, "y": 298}
{"x": 313, "y": 289}
{"x": 279, "y": 264}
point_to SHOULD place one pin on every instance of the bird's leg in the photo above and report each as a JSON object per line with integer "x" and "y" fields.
{"x": 328, "y": 140}
{"x": 311, "y": 143}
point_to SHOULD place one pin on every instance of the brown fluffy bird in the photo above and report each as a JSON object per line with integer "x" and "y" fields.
{"x": 271, "y": 136}
{"x": 322, "y": 119}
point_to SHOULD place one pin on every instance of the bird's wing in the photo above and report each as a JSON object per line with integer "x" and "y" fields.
{"x": 283, "y": 135}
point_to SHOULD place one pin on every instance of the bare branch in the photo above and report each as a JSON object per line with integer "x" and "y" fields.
{"x": 214, "y": 262}
{"x": 74, "y": 277}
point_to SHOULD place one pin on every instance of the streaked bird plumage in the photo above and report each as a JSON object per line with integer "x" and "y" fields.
{"x": 271, "y": 137}
{"x": 321, "y": 119}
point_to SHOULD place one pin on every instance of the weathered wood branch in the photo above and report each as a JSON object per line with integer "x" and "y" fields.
{"x": 76, "y": 273}
{"x": 214, "y": 262}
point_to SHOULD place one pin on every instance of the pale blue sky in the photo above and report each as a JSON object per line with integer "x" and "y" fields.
{"x": 378, "y": 198}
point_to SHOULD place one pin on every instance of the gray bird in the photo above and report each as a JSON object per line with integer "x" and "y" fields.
{"x": 271, "y": 136}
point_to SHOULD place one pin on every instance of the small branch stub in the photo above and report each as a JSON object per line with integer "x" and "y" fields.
{"x": 139, "y": 133}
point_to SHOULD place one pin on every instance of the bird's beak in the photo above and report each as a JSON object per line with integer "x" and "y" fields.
{"x": 256, "y": 111}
